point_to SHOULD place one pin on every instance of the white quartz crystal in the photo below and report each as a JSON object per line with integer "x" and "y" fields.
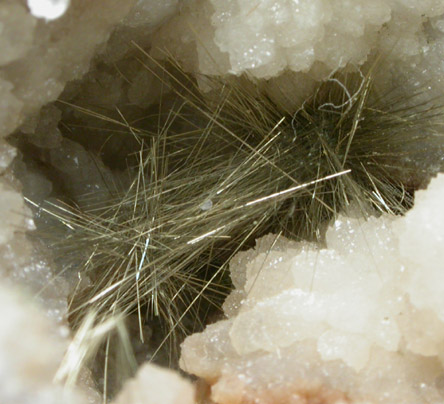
{"x": 13, "y": 214}
{"x": 267, "y": 37}
{"x": 48, "y": 9}
{"x": 365, "y": 310}
{"x": 31, "y": 349}
{"x": 154, "y": 385}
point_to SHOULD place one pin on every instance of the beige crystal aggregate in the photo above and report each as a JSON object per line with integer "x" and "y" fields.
{"x": 37, "y": 59}
{"x": 362, "y": 315}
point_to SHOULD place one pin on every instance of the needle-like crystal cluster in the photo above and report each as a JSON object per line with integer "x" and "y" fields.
{"x": 84, "y": 50}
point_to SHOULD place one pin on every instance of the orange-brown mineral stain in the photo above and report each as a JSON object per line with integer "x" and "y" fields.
{"x": 233, "y": 391}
